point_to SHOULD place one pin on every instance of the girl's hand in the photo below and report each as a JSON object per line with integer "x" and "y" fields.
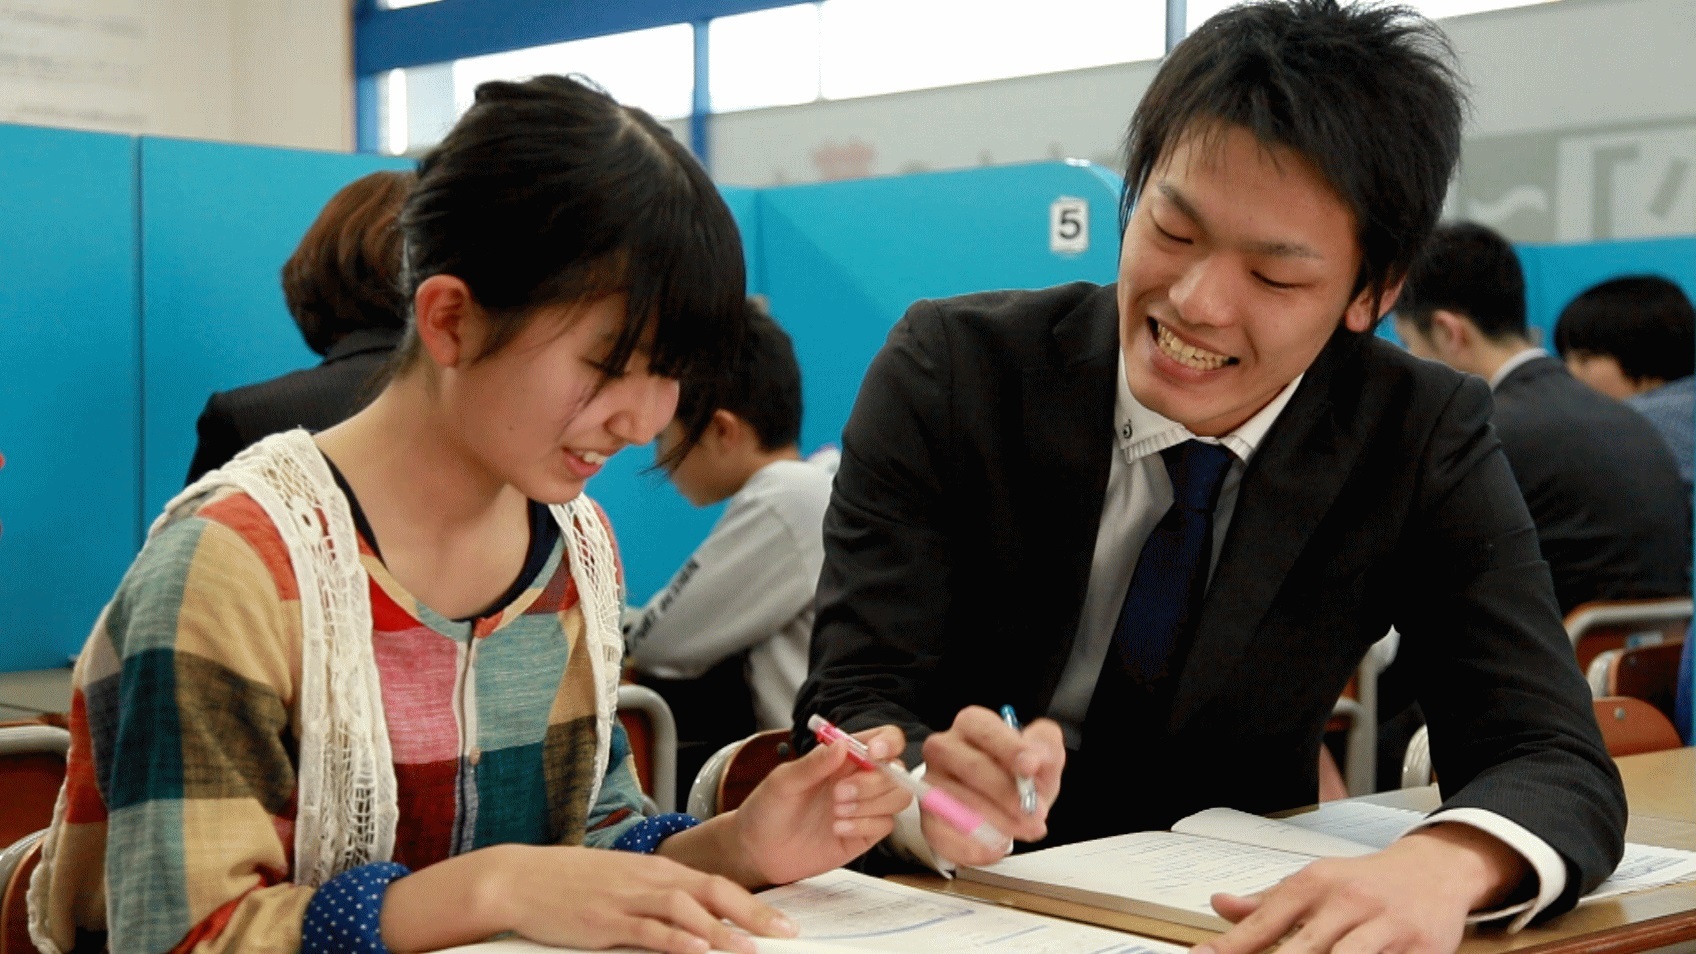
{"x": 583, "y": 897}
{"x": 820, "y": 811}
{"x": 574, "y": 897}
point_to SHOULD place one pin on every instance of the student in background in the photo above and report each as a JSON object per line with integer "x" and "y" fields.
{"x": 735, "y": 621}
{"x": 1634, "y": 339}
{"x": 1612, "y": 517}
{"x": 342, "y": 287}
{"x": 356, "y": 692}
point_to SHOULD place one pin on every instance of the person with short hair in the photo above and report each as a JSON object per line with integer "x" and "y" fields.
{"x": 358, "y": 691}
{"x": 342, "y": 287}
{"x": 1611, "y": 514}
{"x": 1165, "y": 519}
{"x": 1634, "y": 339}
{"x": 744, "y": 599}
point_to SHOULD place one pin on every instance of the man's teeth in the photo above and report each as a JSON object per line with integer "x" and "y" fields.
{"x": 1188, "y": 355}
{"x": 590, "y": 457}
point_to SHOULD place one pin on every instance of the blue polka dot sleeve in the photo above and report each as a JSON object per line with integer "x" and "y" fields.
{"x": 345, "y": 916}
{"x": 645, "y": 837}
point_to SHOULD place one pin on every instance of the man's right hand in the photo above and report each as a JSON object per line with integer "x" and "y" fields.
{"x": 977, "y": 760}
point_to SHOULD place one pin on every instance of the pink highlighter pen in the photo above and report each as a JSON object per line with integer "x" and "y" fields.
{"x": 935, "y": 800}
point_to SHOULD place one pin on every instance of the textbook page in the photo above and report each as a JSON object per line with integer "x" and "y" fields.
{"x": 1229, "y": 824}
{"x": 1644, "y": 866}
{"x": 840, "y": 912}
{"x": 1159, "y": 874}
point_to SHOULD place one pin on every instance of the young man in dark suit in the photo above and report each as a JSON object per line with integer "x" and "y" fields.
{"x": 1169, "y": 516}
{"x": 1602, "y": 486}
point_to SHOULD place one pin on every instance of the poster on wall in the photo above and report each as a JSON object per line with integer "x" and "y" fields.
{"x": 74, "y": 63}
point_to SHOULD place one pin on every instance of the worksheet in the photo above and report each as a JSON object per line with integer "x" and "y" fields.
{"x": 840, "y": 912}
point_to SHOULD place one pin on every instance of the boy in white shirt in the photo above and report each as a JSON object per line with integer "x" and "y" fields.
{"x": 742, "y": 604}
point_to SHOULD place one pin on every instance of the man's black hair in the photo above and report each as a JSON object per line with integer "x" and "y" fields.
{"x": 762, "y": 386}
{"x": 1644, "y": 322}
{"x": 1472, "y": 271}
{"x": 550, "y": 193}
{"x": 1368, "y": 94}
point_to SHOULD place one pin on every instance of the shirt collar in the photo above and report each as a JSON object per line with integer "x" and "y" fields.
{"x": 1512, "y": 364}
{"x": 1141, "y": 432}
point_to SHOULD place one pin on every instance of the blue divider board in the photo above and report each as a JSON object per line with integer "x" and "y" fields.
{"x": 218, "y": 221}
{"x": 656, "y": 528}
{"x": 840, "y": 263}
{"x": 69, "y": 387}
{"x": 1556, "y": 274}
{"x": 843, "y": 261}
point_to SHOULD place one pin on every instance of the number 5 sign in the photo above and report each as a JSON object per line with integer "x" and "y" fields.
{"x": 1068, "y": 226}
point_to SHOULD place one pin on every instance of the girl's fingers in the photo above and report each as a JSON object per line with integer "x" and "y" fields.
{"x": 732, "y": 902}
{"x": 656, "y": 935}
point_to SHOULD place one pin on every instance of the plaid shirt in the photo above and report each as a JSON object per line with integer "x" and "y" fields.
{"x": 179, "y": 798}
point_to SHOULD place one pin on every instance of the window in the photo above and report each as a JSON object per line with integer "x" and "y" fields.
{"x": 765, "y": 58}
{"x": 1199, "y": 10}
{"x": 651, "y": 69}
{"x": 885, "y": 46}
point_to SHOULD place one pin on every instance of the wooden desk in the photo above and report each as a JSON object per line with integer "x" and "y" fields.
{"x": 1661, "y": 790}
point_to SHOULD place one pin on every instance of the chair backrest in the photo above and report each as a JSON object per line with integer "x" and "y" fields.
{"x": 1624, "y": 624}
{"x": 1630, "y": 726}
{"x": 1649, "y": 673}
{"x": 1416, "y": 761}
{"x": 734, "y": 771}
{"x": 653, "y": 742}
{"x": 16, "y": 865}
{"x": 32, "y": 769}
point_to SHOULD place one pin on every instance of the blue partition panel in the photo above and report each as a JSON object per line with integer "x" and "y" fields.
{"x": 657, "y": 529}
{"x": 840, "y": 263}
{"x": 1556, "y": 274}
{"x": 218, "y": 221}
{"x": 69, "y": 386}
{"x": 843, "y": 261}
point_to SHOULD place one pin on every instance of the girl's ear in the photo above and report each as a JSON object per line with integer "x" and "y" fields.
{"x": 444, "y": 310}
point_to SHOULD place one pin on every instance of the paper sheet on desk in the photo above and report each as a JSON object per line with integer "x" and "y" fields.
{"x": 841, "y": 912}
{"x": 1643, "y": 867}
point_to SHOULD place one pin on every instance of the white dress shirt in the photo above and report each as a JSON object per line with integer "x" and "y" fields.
{"x": 1512, "y": 364}
{"x": 1138, "y": 494}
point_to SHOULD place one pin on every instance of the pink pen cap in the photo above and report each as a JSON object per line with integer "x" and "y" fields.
{"x": 938, "y": 802}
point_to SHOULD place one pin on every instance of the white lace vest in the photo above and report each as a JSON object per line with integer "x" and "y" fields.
{"x": 346, "y": 804}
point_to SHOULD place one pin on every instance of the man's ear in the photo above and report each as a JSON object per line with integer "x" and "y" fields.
{"x": 1451, "y": 332}
{"x": 725, "y": 429}
{"x": 1364, "y": 313}
{"x": 443, "y": 307}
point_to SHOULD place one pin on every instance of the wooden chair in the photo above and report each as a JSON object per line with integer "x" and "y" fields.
{"x": 1623, "y": 624}
{"x": 1649, "y": 673}
{"x": 653, "y": 742}
{"x": 734, "y": 771}
{"x": 16, "y": 865}
{"x": 32, "y": 769}
{"x": 1629, "y": 727}
{"x": 1632, "y": 726}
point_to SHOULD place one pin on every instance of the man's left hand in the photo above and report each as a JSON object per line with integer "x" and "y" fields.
{"x": 1411, "y": 898}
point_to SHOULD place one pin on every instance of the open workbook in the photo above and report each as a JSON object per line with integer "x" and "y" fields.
{"x": 840, "y": 912}
{"x": 1171, "y": 875}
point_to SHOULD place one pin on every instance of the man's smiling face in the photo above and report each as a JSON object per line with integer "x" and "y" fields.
{"x": 1237, "y": 265}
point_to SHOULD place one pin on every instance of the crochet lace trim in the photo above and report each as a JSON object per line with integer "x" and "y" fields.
{"x": 346, "y": 803}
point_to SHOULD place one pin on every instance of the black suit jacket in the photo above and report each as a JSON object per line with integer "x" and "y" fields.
{"x": 962, "y": 524}
{"x": 313, "y": 398}
{"x": 1602, "y": 486}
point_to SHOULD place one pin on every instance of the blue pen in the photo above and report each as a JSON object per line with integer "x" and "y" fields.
{"x": 1027, "y": 788}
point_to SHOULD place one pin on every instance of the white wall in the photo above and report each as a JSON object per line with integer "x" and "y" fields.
{"x": 1583, "y": 126}
{"x": 272, "y": 72}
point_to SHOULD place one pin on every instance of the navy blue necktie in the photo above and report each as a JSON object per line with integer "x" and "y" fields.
{"x": 1171, "y": 574}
